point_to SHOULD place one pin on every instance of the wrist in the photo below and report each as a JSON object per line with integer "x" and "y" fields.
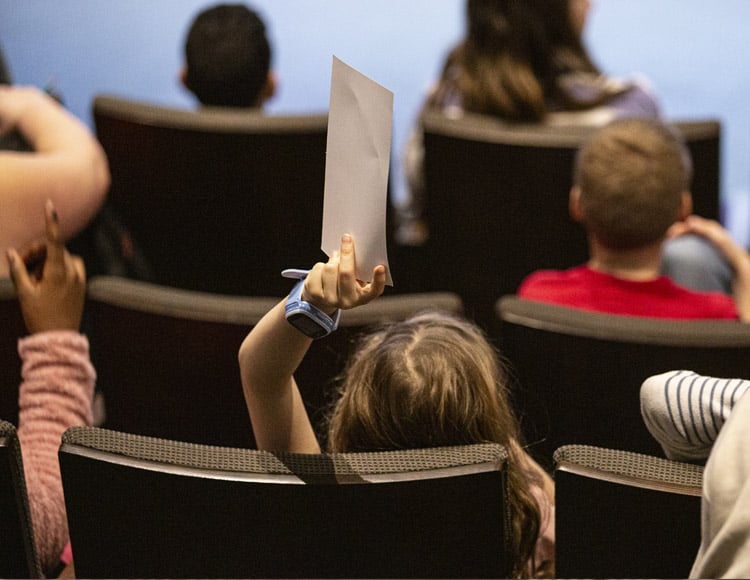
{"x": 308, "y": 318}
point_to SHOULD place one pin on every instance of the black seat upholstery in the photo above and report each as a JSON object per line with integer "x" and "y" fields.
{"x": 18, "y": 555}
{"x": 215, "y": 200}
{"x": 625, "y": 515}
{"x": 578, "y": 374}
{"x": 166, "y": 358}
{"x": 497, "y": 201}
{"x": 13, "y": 328}
{"x": 148, "y": 508}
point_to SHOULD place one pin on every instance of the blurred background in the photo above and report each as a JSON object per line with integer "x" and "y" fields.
{"x": 692, "y": 52}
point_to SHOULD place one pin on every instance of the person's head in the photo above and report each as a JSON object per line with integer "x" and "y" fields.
{"x": 228, "y": 58}
{"x": 501, "y": 60}
{"x": 564, "y": 22}
{"x": 432, "y": 380}
{"x": 513, "y": 53}
{"x": 632, "y": 180}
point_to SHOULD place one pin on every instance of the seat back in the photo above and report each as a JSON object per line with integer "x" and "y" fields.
{"x": 703, "y": 139}
{"x": 625, "y": 515}
{"x": 18, "y": 555}
{"x": 578, "y": 374}
{"x": 497, "y": 201}
{"x": 207, "y": 195}
{"x": 166, "y": 358}
{"x": 146, "y": 508}
{"x": 13, "y": 328}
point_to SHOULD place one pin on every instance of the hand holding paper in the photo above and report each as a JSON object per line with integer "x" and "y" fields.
{"x": 357, "y": 163}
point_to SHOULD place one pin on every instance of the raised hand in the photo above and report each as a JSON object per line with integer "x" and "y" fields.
{"x": 334, "y": 284}
{"x": 51, "y": 284}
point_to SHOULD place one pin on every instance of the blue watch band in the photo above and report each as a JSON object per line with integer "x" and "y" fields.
{"x": 308, "y": 319}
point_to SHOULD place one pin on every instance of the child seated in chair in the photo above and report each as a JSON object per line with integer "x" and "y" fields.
{"x": 57, "y": 390}
{"x": 431, "y": 380}
{"x": 631, "y": 193}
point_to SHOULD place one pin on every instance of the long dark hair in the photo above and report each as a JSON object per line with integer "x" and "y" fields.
{"x": 512, "y": 57}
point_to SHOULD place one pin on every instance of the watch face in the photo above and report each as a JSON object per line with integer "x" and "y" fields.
{"x": 306, "y": 325}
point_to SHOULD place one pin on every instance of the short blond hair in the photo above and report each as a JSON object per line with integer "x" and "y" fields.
{"x": 632, "y": 174}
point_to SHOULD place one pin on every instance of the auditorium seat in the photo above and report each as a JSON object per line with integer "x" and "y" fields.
{"x": 625, "y": 515}
{"x": 140, "y": 507}
{"x": 216, "y": 200}
{"x": 166, "y": 358}
{"x": 577, "y": 374}
{"x": 497, "y": 201}
{"x": 13, "y": 328}
{"x": 18, "y": 554}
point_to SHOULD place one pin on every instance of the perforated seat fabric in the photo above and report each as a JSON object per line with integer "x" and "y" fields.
{"x": 621, "y": 514}
{"x": 148, "y": 507}
{"x": 197, "y": 456}
{"x": 626, "y": 464}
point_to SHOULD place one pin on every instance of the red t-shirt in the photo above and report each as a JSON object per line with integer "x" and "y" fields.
{"x": 588, "y": 289}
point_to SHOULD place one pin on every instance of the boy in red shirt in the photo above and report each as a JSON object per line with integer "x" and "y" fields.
{"x": 631, "y": 192}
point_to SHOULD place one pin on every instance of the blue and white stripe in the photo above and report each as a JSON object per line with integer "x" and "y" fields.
{"x": 685, "y": 411}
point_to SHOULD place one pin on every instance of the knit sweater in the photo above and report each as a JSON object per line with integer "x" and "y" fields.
{"x": 56, "y": 393}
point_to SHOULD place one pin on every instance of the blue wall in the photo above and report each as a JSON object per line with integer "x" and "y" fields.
{"x": 691, "y": 50}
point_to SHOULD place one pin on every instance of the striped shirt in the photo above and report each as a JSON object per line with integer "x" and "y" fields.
{"x": 685, "y": 411}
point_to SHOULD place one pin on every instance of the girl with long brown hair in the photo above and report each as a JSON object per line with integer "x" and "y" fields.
{"x": 431, "y": 380}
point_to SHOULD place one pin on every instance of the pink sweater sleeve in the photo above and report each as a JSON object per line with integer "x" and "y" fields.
{"x": 56, "y": 393}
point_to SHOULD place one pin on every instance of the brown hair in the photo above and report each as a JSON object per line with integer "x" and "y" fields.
{"x": 435, "y": 380}
{"x": 512, "y": 59}
{"x": 632, "y": 174}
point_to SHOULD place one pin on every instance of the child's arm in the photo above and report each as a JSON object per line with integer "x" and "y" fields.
{"x": 67, "y": 165}
{"x": 273, "y": 350}
{"x": 58, "y": 377}
{"x": 737, "y": 257}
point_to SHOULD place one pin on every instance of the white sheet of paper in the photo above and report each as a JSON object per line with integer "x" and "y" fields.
{"x": 360, "y": 120}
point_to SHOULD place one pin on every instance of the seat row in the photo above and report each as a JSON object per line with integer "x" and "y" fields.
{"x": 222, "y": 201}
{"x": 166, "y": 361}
{"x": 167, "y": 368}
{"x": 141, "y": 507}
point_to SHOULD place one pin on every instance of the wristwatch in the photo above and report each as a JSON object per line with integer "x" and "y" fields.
{"x": 308, "y": 319}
